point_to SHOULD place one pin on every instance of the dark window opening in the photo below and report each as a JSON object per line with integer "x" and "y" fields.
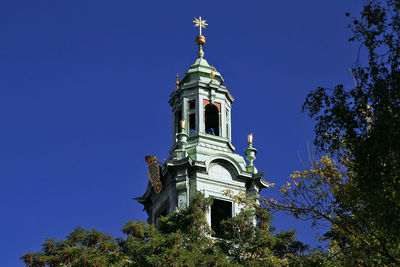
{"x": 220, "y": 210}
{"x": 192, "y": 122}
{"x": 192, "y": 105}
{"x": 178, "y": 118}
{"x": 212, "y": 119}
{"x": 192, "y": 116}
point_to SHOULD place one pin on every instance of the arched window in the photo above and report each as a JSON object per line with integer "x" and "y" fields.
{"x": 178, "y": 118}
{"x": 212, "y": 119}
{"x": 192, "y": 116}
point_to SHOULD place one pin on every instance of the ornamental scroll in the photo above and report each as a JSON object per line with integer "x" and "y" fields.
{"x": 154, "y": 173}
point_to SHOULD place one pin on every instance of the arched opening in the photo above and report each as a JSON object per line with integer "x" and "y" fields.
{"x": 192, "y": 116}
{"x": 212, "y": 119}
{"x": 178, "y": 118}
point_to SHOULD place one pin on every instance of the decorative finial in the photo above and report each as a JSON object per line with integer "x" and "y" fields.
{"x": 182, "y": 136}
{"x": 198, "y": 22}
{"x": 177, "y": 81}
{"x": 200, "y": 39}
{"x": 251, "y": 154}
{"x": 181, "y": 142}
{"x": 250, "y": 138}
{"x": 212, "y": 74}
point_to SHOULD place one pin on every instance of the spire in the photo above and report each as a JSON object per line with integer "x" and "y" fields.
{"x": 200, "y": 39}
{"x": 201, "y": 70}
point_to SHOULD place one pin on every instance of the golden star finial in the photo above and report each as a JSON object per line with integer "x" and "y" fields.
{"x": 198, "y": 22}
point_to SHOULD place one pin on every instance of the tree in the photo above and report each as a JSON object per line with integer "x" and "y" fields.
{"x": 247, "y": 243}
{"x": 180, "y": 239}
{"x": 358, "y": 193}
{"x": 81, "y": 248}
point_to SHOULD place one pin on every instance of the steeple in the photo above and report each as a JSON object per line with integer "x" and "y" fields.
{"x": 202, "y": 156}
{"x": 201, "y": 68}
{"x": 204, "y": 102}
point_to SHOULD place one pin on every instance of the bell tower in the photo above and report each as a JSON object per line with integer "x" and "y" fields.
{"x": 202, "y": 156}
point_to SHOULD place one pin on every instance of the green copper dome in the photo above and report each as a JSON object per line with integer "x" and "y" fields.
{"x": 201, "y": 71}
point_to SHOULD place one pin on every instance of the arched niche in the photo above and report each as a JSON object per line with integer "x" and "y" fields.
{"x": 222, "y": 170}
{"x": 211, "y": 116}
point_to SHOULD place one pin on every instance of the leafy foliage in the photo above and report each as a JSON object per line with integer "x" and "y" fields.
{"x": 81, "y": 248}
{"x": 359, "y": 194}
{"x": 180, "y": 239}
{"x": 248, "y": 238}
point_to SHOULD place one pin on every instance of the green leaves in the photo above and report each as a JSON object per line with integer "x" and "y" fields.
{"x": 81, "y": 248}
{"x": 181, "y": 239}
{"x": 360, "y": 128}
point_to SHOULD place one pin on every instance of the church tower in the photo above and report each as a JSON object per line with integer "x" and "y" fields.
{"x": 202, "y": 156}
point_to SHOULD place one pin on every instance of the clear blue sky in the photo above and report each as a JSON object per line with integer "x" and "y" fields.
{"x": 84, "y": 89}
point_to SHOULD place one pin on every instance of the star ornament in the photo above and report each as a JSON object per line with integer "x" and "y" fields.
{"x": 198, "y": 22}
